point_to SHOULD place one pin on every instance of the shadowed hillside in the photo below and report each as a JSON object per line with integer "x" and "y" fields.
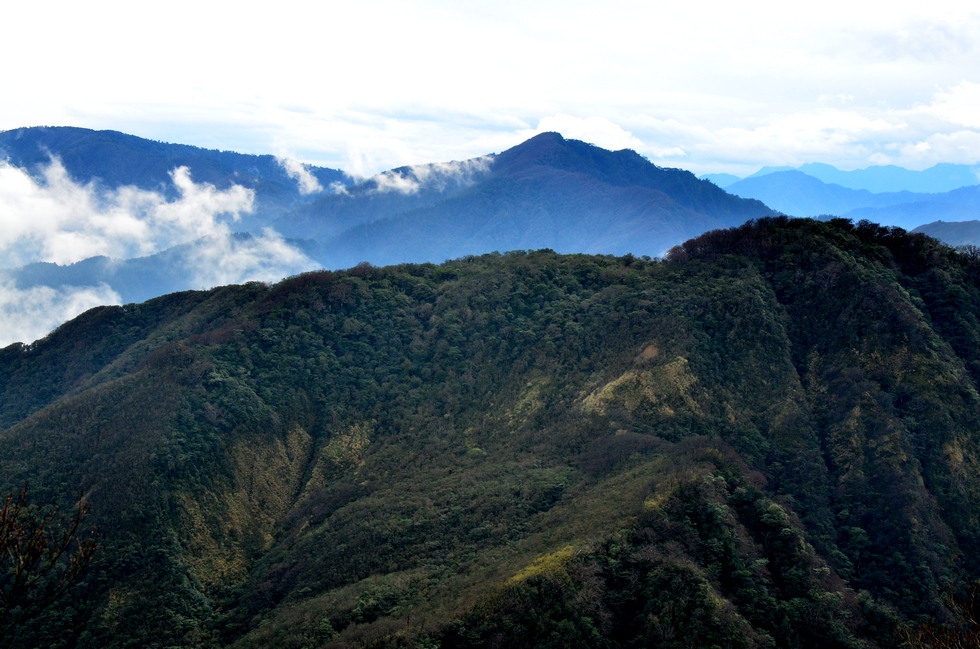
{"x": 769, "y": 439}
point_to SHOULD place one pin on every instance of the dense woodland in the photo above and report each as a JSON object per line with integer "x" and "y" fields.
{"x": 770, "y": 438}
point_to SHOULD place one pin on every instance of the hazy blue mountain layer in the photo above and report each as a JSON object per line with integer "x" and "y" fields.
{"x": 115, "y": 159}
{"x": 798, "y": 194}
{"x": 722, "y": 180}
{"x": 547, "y": 192}
{"x": 937, "y": 179}
{"x": 954, "y": 233}
{"x": 961, "y": 204}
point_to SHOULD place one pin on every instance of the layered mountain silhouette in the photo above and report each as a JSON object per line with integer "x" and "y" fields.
{"x": 955, "y": 233}
{"x": 548, "y": 192}
{"x": 113, "y": 159}
{"x": 937, "y": 179}
{"x": 796, "y": 193}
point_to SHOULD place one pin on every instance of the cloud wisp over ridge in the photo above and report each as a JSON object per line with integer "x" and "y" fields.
{"x": 308, "y": 184}
{"x": 28, "y": 314}
{"x": 58, "y": 220}
{"x": 55, "y": 219}
{"x": 437, "y": 176}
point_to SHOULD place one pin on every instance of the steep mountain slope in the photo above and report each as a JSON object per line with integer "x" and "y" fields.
{"x": 769, "y": 439}
{"x": 538, "y": 207}
{"x": 116, "y": 159}
{"x": 548, "y": 191}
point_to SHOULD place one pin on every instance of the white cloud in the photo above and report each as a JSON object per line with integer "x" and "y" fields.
{"x": 232, "y": 259}
{"x": 960, "y": 105}
{"x": 678, "y": 77}
{"x": 438, "y": 176}
{"x": 61, "y": 221}
{"x": 308, "y": 184}
{"x": 26, "y": 315}
{"x": 593, "y": 129}
{"x": 58, "y": 220}
{"x": 403, "y": 182}
{"x": 337, "y": 187}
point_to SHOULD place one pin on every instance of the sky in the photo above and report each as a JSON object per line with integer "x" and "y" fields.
{"x": 366, "y": 86}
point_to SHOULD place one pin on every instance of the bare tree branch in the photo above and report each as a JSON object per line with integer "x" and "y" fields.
{"x": 42, "y": 553}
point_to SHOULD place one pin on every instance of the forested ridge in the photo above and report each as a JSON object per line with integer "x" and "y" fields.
{"x": 768, "y": 439}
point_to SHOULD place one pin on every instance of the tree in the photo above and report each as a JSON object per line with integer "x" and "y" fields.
{"x": 42, "y": 553}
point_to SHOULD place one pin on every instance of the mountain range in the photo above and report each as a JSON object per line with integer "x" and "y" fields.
{"x": 818, "y": 190}
{"x": 769, "y": 438}
{"x": 798, "y": 194}
{"x": 112, "y": 160}
{"x": 548, "y": 192}
{"x": 937, "y": 179}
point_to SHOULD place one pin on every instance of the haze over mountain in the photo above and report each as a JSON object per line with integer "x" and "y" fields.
{"x": 769, "y": 439}
{"x": 547, "y": 192}
{"x": 959, "y": 233}
{"x": 798, "y": 194}
{"x": 101, "y": 216}
{"x": 937, "y": 179}
{"x": 113, "y": 160}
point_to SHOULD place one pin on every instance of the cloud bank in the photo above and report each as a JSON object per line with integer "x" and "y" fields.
{"x": 29, "y": 314}
{"x": 54, "y": 219}
{"x": 712, "y": 86}
{"x": 58, "y": 220}
{"x": 233, "y": 259}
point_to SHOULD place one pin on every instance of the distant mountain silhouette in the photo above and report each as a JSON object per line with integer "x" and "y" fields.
{"x": 722, "y": 180}
{"x": 548, "y": 192}
{"x": 939, "y": 178}
{"x": 113, "y": 159}
{"x": 797, "y": 194}
{"x": 955, "y": 234}
{"x": 961, "y": 204}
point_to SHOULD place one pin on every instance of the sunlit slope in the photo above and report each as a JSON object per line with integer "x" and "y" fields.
{"x": 769, "y": 439}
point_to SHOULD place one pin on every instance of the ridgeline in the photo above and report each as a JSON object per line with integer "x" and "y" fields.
{"x": 768, "y": 439}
